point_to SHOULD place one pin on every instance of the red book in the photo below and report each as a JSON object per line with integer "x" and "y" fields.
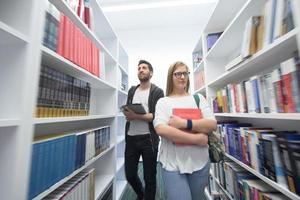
{"x": 187, "y": 113}
{"x": 98, "y": 66}
{"x": 61, "y": 34}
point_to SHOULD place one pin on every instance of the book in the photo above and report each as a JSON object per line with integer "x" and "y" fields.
{"x": 187, "y": 113}
{"x": 135, "y": 107}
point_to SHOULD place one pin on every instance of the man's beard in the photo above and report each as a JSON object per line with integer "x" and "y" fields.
{"x": 144, "y": 78}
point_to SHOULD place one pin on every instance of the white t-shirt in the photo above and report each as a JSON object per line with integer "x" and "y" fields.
{"x": 188, "y": 158}
{"x": 140, "y": 127}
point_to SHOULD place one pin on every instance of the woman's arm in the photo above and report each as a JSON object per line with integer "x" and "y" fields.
{"x": 178, "y": 136}
{"x": 199, "y": 125}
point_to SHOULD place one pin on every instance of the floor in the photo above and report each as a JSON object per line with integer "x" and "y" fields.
{"x": 129, "y": 194}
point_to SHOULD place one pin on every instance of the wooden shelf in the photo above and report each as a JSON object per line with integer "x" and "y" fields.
{"x": 273, "y": 184}
{"x": 61, "y": 182}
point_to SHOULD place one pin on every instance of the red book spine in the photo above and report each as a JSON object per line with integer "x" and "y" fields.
{"x": 288, "y": 103}
{"x": 72, "y": 27}
{"x": 66, "y": 49}
{"x": 61, "y": 34}
{"x": 98, "y": 66}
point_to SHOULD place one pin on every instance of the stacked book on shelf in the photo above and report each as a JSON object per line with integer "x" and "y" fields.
{"x": 275, "y": 20}
{"x": 61, "y": 95}
{"x": 273, "y": 154}
{"x": 56, "y": 156}
{"x": 79, "y": 187}
{"x": 277, "y": 91}
{"x": 197, "y": 58}
{"x": 63, "y": 37}
{"x": 238, "y": 184}
{"x": 199, "y": 81}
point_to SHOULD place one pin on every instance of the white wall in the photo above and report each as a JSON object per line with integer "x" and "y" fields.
{"x": 160, "y": 48}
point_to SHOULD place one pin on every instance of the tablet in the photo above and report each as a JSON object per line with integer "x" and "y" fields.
{"x": 135, "y": 107}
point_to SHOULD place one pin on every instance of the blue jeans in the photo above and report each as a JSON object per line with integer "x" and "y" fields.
{"x": 186, "y": 186}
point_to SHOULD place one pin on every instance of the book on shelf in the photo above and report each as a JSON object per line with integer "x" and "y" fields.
{"x": 211, "y": 39}
{"x": 249, "y": 43}
{"x": 288, "y": 142}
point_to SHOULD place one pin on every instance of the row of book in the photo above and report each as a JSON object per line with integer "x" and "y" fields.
{"x": 79, "y": 187}
{"x": 64, "y": 37}
{"x": 197, "y": 58}
{"x": 274, "y": 154}
{"x": 199, "y": 79}
{"x": 260, "y": 31}
{"x": 56, "y": 156}
{"x": 237, "y": 183}
{"x": 61, "y": 95}
{"x": 274, "y": 92}
{"x": 83, "y": 10}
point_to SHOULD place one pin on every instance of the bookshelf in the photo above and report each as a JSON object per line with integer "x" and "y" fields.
{"x": 122, "y": 85}
{"x": 21, "y": 56}
{"x": 231, "y": 20}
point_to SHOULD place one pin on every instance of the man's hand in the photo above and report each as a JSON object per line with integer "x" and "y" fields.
{"x": 177, "y": 122}
{"x": 129, "y": 114}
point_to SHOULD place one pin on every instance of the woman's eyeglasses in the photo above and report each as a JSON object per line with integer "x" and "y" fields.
{"x": 179, "y": 74}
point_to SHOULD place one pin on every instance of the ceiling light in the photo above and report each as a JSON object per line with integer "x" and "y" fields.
{"x": 140, "y": 6}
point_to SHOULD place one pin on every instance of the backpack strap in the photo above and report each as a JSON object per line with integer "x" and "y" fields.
{"x": 197, "y": 99}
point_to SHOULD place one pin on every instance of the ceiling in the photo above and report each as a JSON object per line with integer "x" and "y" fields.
{"x": 162, "y": 33}
{"x": 159, "y": 16}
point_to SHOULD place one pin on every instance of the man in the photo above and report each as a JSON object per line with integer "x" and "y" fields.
{"x": 141, "y": 138}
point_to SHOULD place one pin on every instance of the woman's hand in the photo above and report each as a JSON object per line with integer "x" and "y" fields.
{"x": 177, "y": 122}
{"x": 201, "y": 139}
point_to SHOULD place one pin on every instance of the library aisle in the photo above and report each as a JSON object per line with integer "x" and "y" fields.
{"x": 247, "y": 65}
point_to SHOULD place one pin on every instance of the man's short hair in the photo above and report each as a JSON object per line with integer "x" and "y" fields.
{"x": 147, "y": 63}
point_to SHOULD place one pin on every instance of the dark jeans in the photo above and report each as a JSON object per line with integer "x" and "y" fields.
{"x": 135, "y": 147}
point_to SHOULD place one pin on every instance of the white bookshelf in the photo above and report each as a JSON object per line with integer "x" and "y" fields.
{"x": 102, "y": 182}
{"x": 231, "y": 19}
{"x": 21, "y": 57}
{"x": 120, "y": 186}
{"x": 61, "y": 182}
{"x": 9, "y": 122}
{"x": 273, "y": 184}
{"x": 10, "y": 35}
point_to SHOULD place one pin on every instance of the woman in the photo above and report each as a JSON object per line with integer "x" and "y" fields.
{"x": 185, "y": 168}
